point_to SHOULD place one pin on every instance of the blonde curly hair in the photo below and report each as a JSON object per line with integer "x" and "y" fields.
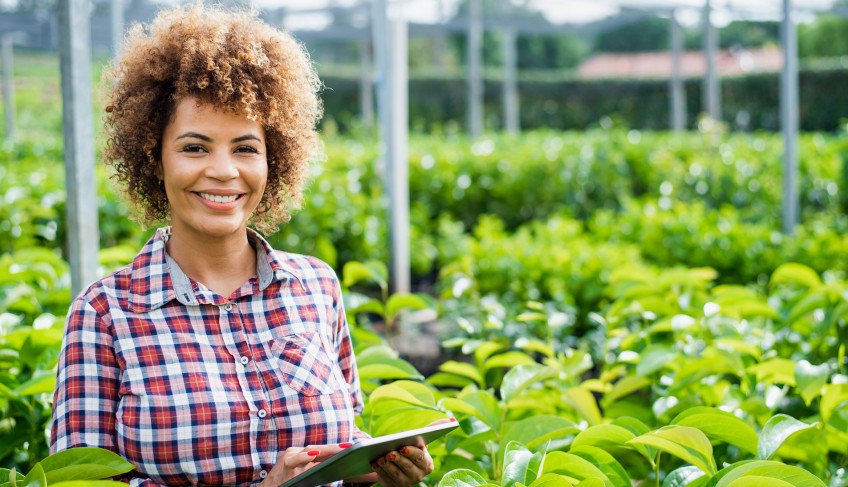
{"x": 230, "y": 60}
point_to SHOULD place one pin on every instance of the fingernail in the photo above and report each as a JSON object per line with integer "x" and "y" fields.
{"x": 453, "y": 420}
{"x": 373, "y": 466}
{"x": 381, "y": 461}
{"x": 392, "y": 457}
{"x": 313, "y": 453}
{"x": 345, "y": 445}
{"x": 405, "y": 450}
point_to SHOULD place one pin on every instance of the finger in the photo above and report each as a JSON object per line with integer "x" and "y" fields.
{"x": 390, "y": 474}
{"x": 418, "y": 457}
{"x": 294, "y": 458}
{"x": 410, "y": 470}
{"x": 324, "y": 451}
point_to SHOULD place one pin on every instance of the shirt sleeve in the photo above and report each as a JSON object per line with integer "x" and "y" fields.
{"x": 87, "y": 385}
{"x": 347, "y": 360}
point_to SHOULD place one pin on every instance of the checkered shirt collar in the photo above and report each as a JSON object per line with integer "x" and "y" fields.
{"x": 157, "y": 278}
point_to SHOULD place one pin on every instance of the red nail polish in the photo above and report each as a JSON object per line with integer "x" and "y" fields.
{"x": 373, "y": 466}
{"x": 453, "y": 420}
{"x": 405, "y": 450}
{"x": 313, "y": 453}
{"x": 392, "y": 457}
{"x": 382, "y": 461}
{"x": 345, "y": 445}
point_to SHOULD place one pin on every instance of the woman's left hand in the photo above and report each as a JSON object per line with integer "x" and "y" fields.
{"x": 404, "y": 468}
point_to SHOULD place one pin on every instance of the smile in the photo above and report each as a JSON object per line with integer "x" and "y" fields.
{"x": 218, "y": 198}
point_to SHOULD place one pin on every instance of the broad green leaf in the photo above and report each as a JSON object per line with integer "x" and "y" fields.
{"x": 795, "y": 273}
{"x": 480, "y": 404}
{"x": 485, "y": 350}
{"x": 7, "y": 475}
{"x": 590, "y": 483}
{"x": 399, "y": 301}
{"x": 408, "y": 392}
{"x": 442, "y": 379}
{"x": 373, "y": 271}
{"x": 463, "y": 369}
{"x": 719, "y": 425}
{"x": 523, "y": 376}
{"x": 624, "y": 386}
{"x": 42, "y": 384}
{"x": 812, "y": 301}
{"x": 776, "y": 431}
{"x": 832, "y": 396}
{"x": 757, "y": 481}
{"x": 515, "y": 462}
{"x": 462, "y": 478}
{"x": 536, "y": 430}
{"x": 605, "y": 462}
{"x": 508, "y": 359}
{"x": 776, "y": 370}
{"x": 602, "y": 435}
{"x": 370, "y": 306}
{"x": 654, "y": 358}
{"x": 573, "y": 467}
{"x": 682, "y": 476}
{"x": 584, "y": 404}
{"x": 688, "y": 444}
{"x": 35, "y": 477}
{"x": 84, "y": 463}
{"x": 810, "y": 379}
{"x": 387, "y": 369}
{"x": 796, "y": 476}
{"x": 551, "y": 480}
{"x": 404, "y": 419}
{"x": 90, "y": 483}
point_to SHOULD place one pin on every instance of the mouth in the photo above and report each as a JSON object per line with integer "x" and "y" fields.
{"x": 219, "y": 198}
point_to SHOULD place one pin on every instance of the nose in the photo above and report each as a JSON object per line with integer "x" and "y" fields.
{"x": 222, "y": 167}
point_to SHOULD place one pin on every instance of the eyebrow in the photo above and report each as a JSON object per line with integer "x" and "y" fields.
{"x": 205, "y": 138}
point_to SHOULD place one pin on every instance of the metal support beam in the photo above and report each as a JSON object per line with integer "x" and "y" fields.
{"x": 78, "y": 128}
{"x": 117, "y": 11}
{"x": 8, "y": 84}
{"x": 475, "y": 68}
{"x": 392, "y": 81}
{"x": 366, "y": 85}
{"x": 510, "y": 82}
{"x": 712, "y": 90}
{"x": 676, "y": 90}
{"x": 789, "y": 119}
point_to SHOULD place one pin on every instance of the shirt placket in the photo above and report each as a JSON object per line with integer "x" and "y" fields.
{"x": 239, "y": 346}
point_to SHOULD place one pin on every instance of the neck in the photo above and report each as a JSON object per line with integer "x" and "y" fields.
{"x": 223, "y": 264}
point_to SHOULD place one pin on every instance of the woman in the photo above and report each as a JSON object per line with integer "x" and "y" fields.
{"x": 213, "y": 359}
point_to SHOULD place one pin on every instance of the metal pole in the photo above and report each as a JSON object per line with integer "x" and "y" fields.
{"x": 510, "y": 82}
{"x": 475, "y": 68}
{"x": 8, "y": 85}
{"x": 789, "y": 119}
{"x": 366, "y": 86}
{"x": 117, "y": 27}
{"x": 712, "y": 90}
{"x": 398, "y": 153}
{"x": 676, "y": 88}
{"x": 78, "y": 128}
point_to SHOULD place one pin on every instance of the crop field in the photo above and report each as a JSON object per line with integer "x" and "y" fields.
{"x": 614, "y": 307}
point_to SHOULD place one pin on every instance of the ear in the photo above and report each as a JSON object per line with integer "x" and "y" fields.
{"x": 160, "y": 174}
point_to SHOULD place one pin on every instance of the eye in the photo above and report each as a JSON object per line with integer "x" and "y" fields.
{"x": 193, "y": 148}
{"x": 247, "y": 149}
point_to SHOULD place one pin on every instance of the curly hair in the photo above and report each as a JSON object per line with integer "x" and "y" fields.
{"x": 231, "y": 60}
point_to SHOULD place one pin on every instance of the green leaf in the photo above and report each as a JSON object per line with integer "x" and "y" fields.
{"x": 590, "y": 483}
{"x": 10, "y": 476}
{"x": 42, "y": 384}
{"x": 796, "y": 476}
{"x": 90, "y": 483}
{"x": 442, "y": 379}
{"x": 603, "y": 435}
{"x": 463, "y": 369}
{"x": 776, "y": 370}
{"x": 832, "y": 396}
{"x": 573, "y": 467}
{"x": 810, "y": 379}
{"x": 551, "y": 480}
{"x": 515, "y": 462}
{"x": 812, "y": 301}
{"x": 480, "y": 404}
{"x": 625, "y": 386}
{"x": 536, "y": 430}
{"x": 757, "y": 481}
{"x": 373, "y": 272}
{"x": 719, "y": 425}
{"x": 795, "y": 273}
{"x": 35, "y": 477}
{"x": 654, "y": 358}
{"x": 776, "y": 431}
{"x": 605, "y": 462}
{"x": 462, "y": 478}
{"x": 84, "y": 463}
{"x": 682, "y": 476}
{"x": 399, "y": 301}
{"x": 389, "y": 368}
{"x": 688, "y": 444}
{"x": 583, "y": 402}
{"x": 523, "y": 376}
{"x": 402, "y": 419}
{"x": 405, "y": 391}
{"x": 508, "y": 359}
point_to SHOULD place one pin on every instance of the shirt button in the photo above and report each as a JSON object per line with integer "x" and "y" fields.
{"x": 244, "y": 360}
{"x": 227, "y": 307}
{"x": 262, "y": 413}
{"x": 263, "y": 474}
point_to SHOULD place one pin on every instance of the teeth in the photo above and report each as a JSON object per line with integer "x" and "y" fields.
{"x": 218, "y": 199}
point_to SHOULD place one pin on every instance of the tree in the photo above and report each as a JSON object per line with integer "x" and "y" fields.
{"x": 823, "y": 38}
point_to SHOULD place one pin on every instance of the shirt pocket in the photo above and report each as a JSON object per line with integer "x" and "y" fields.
{"x": 305, "y": 365}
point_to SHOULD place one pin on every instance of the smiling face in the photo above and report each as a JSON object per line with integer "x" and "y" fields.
{"x": 215, "y": 167}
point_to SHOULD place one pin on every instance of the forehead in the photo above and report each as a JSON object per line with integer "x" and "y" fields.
{"x": 191, "y": 113}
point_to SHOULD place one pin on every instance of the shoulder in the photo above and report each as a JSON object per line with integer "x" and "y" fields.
{"x": 309, "y": 270}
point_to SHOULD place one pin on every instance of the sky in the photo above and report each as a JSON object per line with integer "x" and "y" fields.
{"x": 572, "y": 11}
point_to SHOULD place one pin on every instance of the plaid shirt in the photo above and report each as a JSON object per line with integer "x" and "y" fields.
{"x": 195, "y": 388}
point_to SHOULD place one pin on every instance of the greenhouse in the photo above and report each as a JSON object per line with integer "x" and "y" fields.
{"x": 607, "y": 239}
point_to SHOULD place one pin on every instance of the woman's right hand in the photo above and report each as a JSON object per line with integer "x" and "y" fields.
{"x": 296, "y": 460}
